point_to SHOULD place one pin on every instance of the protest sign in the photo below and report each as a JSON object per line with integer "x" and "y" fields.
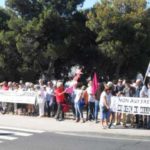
{"x": 131, "y": 105}
{"x": 23, "y": 97}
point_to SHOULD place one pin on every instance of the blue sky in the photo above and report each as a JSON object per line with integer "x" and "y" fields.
{"x": 87, "y": 3}
{"x": 2, "y": 3}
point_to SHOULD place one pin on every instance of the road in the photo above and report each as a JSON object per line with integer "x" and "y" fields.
{"x": 25, "y": 139}
{"x": 34, "y": 133}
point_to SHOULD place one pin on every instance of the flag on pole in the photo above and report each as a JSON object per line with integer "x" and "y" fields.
{"x": 147, "y": 74}
{"x": 148, "y": 71}
{"x": 69, "y": 90}
{"x": 94, "y": 84}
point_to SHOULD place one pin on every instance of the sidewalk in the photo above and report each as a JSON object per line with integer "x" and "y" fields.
{"x": 51, "y": 125}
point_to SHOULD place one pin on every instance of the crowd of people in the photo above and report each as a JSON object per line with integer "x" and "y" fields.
{"x": 56, "y": 98}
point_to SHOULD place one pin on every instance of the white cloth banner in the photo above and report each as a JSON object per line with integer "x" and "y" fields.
{"x": 23, "y": 97}
{"x": 131, "y": 105}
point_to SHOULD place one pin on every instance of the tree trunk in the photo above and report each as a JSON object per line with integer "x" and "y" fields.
{"x": 118, "y": 68}
{"x": 51, "y": 69}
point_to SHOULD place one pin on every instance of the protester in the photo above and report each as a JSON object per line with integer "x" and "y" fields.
{"x": 129, "y": 91}
{"x": 91, "y": 102}
{"x": 41, "y": 96}
{"x": 97, "y": 97}
{"x": 105, "y": 101}
{"x": 49, "y": 98}
{"x": 138, "y": 86}
{"x": 77, "y": 102}
{"x": 119, "y": 87}
{"x": 60, "y": 99}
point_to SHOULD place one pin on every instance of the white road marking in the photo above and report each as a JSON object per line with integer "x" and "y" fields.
{"x": 15, "y": 133}
{"x": 5, "y": 137}
{"x": 105, "y": 137}
{"x": 21, "y": 129}
{"x": 11, "y": 133}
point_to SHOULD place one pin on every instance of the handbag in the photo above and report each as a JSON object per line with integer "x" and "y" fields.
{"x": 105, "y": 109}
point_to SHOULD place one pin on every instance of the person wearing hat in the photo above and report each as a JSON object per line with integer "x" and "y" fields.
{"x": 105, "y": 101}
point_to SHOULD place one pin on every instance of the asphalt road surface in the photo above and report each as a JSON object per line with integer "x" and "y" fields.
{"x": 19, "y": 139}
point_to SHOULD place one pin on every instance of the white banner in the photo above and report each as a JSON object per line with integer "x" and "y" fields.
{"x": 23, "y": 97}
{"x": 131, "y": 105}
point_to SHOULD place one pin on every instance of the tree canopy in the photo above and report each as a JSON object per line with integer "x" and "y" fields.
{"x": 49, "y": 36}
{"x": 122, "y": 31}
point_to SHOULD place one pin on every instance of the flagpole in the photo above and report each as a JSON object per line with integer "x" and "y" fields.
{"x": 146, "y": 73}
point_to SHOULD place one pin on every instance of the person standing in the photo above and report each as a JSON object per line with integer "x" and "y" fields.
{"x": 143, "y": 94}
{"x": 91, "y": 102}
{"x": 105, "y": 101}
{"x": 5, "y": 88}
{"x": 77, "y": 102}
{"x": 49, "y": 98}
{"x": 60, "y": 99}
{"x": 97, "y": 97}
{"x": 41, "y": 96}
{"x": 138, "y": 86}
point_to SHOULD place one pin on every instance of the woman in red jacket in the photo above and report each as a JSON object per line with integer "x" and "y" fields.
{"x": 60, "y": 99}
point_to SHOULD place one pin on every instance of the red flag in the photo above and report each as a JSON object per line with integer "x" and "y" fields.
{"x": 94, "y": 84}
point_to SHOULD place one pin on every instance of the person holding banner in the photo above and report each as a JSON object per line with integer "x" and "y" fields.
{"x": 128, "y": 91}
{"x": 41, "y": 97}
{"x": 143, "y": 93}
{"x": 138, "y": 86}
{"x": 49, "y": 98}
{"x": 5, "y": 87}
{"x": 105, "y": 101}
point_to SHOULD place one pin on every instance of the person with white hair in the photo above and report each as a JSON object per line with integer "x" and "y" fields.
{"x": 60, "y": 98}
{"x": 41, "y": 96}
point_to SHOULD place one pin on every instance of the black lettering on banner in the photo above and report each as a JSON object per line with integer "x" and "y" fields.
{"x": 135, "y": 109}
{"x": 123, "y": 100}
{"x": 127, "y": 108}
{"x": 145, "y": 110}
{"x": 134, "y": 101}
{"x": 119, "y": 108}
{"x": 142, "y": 110}
{"x": 145, "y": 101}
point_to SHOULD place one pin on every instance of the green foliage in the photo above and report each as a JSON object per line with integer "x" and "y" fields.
{"x": 121, "y": 30}
{"x": 25, "y": 8}
{"x": 4, "y": 17}
{"x": 41, "y": 31}
{"x": 49, "y": 36}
